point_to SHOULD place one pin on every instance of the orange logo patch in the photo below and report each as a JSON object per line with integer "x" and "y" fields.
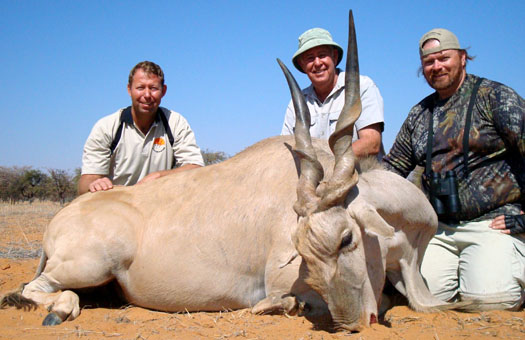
{"x": 159, "y": 141}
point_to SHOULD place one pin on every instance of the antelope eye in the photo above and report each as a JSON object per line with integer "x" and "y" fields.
{"x": 346, "y": 241}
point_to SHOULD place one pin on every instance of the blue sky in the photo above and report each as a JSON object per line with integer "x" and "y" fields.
{"x": 65, "y": 63}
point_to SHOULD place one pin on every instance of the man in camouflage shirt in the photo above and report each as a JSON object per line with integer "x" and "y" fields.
{"x": 479, "y": 252}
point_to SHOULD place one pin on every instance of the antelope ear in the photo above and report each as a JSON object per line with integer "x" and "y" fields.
{"x": 369, "y": 219}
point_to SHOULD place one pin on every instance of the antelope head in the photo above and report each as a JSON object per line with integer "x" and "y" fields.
{"x": 327, "y": 237}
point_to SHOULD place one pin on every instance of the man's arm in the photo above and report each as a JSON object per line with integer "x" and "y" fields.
{"x": 93, "y": 183}
{"x": 400, "y": 157}
{"x": 96, "y": 155}
{"x": 369, "y": 142}
{"x": 371, "y": 121}
{"x": 508, "y": 109}
{"x": 185, "y": 148}
{"x": 159, "y": 174}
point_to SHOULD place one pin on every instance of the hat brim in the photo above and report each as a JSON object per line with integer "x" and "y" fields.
{"x": 314, "y": 43}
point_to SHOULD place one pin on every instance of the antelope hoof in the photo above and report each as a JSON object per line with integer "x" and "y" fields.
{"x": 303, "y": 309}
{"x": 52, "y": 319}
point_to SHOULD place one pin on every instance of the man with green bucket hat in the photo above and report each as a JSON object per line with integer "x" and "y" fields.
{"x": 318, "y": 56}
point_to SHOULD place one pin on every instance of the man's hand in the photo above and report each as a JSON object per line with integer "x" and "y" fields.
{"x": 93, "y": 183}
{"x": 509, "y": 224}
{"x": 103, "y": 183}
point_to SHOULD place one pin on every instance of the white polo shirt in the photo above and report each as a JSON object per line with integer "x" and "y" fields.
{"x": 136, "y": 154}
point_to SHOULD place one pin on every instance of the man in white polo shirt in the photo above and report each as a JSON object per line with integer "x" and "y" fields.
{"x": 139, "y": 143}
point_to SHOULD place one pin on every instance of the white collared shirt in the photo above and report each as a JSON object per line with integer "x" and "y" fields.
{"x": 324, "y": 115}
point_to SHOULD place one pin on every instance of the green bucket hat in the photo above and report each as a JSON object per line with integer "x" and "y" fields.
{"x": 447, "y": 41}
{"x": 312, "y": 38}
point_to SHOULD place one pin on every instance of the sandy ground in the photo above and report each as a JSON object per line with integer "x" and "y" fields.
{"x": 21, "y": 227}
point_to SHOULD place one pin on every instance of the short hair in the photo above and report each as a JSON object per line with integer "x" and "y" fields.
{"x": 147, "y": 67}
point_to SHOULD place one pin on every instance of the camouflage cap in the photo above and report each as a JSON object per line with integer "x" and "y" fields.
{"x": 447, "y": 41}
{"x": 312, "y": 38}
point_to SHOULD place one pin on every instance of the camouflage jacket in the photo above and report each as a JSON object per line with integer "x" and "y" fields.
{"x": 495, "y": 181}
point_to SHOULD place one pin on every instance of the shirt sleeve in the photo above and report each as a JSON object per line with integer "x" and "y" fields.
{"x": 372, "y": 107}
{"x": 400, "y": 159}
{"x": 96, "y": 153}
{"x": 508, "y": 109}
{"x": 289, "y": 120}
{"x": 509, "y": 117}
{"x": 185, "y": 148}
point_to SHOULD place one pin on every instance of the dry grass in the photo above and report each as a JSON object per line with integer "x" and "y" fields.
{"x": 22, "y": 225}
{"x": 39, "y": 208}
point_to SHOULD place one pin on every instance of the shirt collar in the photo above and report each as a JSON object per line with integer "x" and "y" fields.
{"x": 467, "y": 84}
{"x": 128, "y": 118}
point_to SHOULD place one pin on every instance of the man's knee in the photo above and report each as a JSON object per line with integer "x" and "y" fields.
{"x": 440, "y": 276}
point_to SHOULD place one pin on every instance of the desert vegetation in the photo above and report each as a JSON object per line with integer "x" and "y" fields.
{"x": 26, "y": 184}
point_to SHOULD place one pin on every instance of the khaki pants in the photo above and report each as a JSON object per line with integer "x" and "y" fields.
{"x": 469, "y": 261}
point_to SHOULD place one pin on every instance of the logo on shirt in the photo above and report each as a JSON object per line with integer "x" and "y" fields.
{"x": 159, "y": 144}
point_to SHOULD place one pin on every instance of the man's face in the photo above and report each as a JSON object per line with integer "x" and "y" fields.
{"x": 146, "y": 91}
{"x": 445, "y": 70}
{"x": 319, "y": 64}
